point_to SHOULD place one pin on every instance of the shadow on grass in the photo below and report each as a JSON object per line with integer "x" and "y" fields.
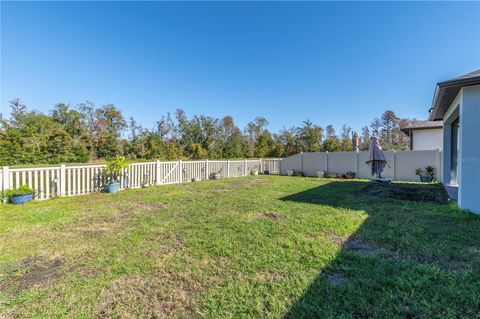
{"x": 409, "y": 259}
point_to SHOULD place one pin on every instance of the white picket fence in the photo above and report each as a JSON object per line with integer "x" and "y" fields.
{"x": 63, "y": 180}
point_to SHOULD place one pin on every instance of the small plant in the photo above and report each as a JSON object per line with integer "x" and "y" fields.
{"x": 349, "y": 175}
{"x": 418, "y": 171}
{"x": 113, "y": 170}
{"x": 115, "y": 167}
{"x": 426, "y": 174}
{"x": 22, "y": 190}
{"x": 430, "y": 171}
{"x": 321, "y": 174}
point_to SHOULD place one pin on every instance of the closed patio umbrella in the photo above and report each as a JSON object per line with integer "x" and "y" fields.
{"x": 376, "y": 158}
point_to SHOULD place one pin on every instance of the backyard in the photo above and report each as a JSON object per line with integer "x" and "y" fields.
{"x": 247, "y": 247}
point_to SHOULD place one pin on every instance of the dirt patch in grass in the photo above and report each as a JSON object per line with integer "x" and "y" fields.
{"x": 411, "y": 192}
{"x": 34, "y": 272}
{"x": 39, "y": 272}
{"x": 356, "y": 244}
{"x": 159, "y": 296}
{"x": 270, "y": 276}
{"x": 267, "y": 214}
{"x": 336, "y": 239}
{"x": 334, "y": 278}
{"x": 119, "y": 219}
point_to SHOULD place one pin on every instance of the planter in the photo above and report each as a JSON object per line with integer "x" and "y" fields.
{"x": 266, "y": 172}
{"x": 196, "y": 179}
{"x": 21, "y": 199}
{"x": 349, "y": 176}
{"x": 254, "y": 172}
{"x": 290, "y": 173}
{"x": 321, "y": 174}
{"x": 215, "y": 176}
{"x": 113, "y": 187}
{"x": 426, "y": 178}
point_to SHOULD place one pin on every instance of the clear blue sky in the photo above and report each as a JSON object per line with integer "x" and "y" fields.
{"x": 329, "y": 62}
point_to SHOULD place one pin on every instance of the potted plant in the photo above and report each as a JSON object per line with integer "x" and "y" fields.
{"x": 321, "y": 174}
{"x": 217, "y": 175}
{"x": 254, "y": 172}
{"x": 19, "y": 196}
{"x": 426, "y": 175}
{"x": 113, "y": 170}
{"x": 332, "y": 175}
{"x": 298, "y": 173}
{"x": 349, "y": 175}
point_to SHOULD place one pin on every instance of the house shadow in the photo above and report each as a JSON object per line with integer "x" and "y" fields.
{"x": 408, "y": 259}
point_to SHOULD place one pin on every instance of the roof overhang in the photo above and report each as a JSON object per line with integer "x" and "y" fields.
{"x": 445, "y": 94}
{"x": 408, "y": 129}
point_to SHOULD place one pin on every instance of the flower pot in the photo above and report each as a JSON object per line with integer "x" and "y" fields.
{"x": 426, "y": 178}
{"x": 254, "y": 172}
{"x": 21, "y": 199}
{"x": 290, "y": 173}
{"x": 266, "y": 172}
{"x": 113, "y": 187}
{"x": 349, "y": 176}
{"x": 321, "y": 174}
{"x": 298, "y": 173}
{"x": 215, "y": 176}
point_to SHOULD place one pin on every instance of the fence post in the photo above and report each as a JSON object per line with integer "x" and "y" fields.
{"x": 326, "y": 162}
{"x": 62, "y": 181}
{"x": 393, "y": 165}
{"x": 245, "y": 167}
{"x": 260, "y": 168}
{"x": 228, "y": 168}
{"x": 301, "y": 156}
{"x": 206, "y": 168}
{"x": 180, "y": 172}
{"x": 6, "y": 177}
{"x": 157, "y": 173}
{"x": 357, "y": 167}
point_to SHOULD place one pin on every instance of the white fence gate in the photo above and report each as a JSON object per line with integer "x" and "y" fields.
{"x": 63, "y": 180}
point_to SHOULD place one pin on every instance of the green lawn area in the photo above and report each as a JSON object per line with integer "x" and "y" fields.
{"x": 251, "y": 247}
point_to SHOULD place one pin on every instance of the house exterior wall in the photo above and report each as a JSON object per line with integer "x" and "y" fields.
{"x": 427, "y": 139}
{"x": 469, "y": 154}
{"x": 467, "y": 106}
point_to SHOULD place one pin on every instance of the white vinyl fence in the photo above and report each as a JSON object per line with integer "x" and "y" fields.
{"x": 401, "y": 164}
{"x": 63, "y": 180}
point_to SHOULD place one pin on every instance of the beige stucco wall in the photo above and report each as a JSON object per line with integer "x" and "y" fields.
{"x": 427, "y": 139}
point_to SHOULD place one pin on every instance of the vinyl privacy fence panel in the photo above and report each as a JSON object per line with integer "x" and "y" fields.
{"x": 401, "y": 164}
{"x": 63, "y": 180}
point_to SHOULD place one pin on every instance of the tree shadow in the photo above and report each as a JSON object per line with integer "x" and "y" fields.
{"x": 408, "y": 259}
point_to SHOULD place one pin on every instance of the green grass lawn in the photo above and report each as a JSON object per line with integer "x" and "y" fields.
{"x": 252, "y": 247}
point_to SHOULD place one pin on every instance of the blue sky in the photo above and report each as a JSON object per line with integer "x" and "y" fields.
{"x": 329, "y": 62}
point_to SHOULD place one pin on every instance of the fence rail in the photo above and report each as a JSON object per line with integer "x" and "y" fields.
{"x": 60, "y": 181}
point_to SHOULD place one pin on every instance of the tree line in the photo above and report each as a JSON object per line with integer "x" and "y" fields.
{"x": 87, "y": 133}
